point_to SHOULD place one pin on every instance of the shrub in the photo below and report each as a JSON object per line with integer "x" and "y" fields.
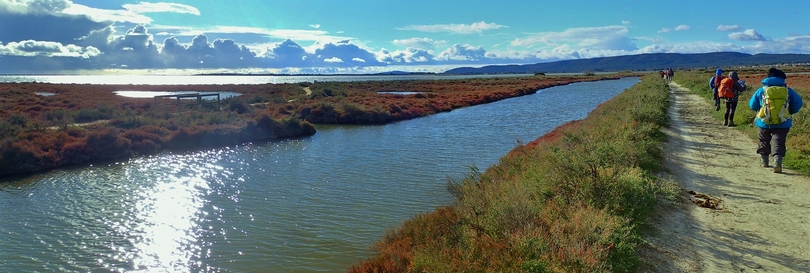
{"x": 571, "y": 201}
{"x": 239, "y": 106}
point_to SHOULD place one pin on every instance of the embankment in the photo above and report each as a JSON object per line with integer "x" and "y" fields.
{"x": 571, "y": 201}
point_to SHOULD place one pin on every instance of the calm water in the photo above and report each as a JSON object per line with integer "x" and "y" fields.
{"x": 306, "y": 205}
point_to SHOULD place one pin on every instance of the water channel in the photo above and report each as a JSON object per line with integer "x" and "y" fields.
{"x": 314, "y": 204}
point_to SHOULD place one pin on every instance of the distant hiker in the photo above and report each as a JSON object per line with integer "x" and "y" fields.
{"x": 774, "y": 102}
{"x": 667, "y": 74}
{"x": 714, "y": 82}
{"x": 729, "y": 90}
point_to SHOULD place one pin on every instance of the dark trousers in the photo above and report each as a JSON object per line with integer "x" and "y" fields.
{"x": 731, "y": 107}
{"x": 778, "y": 135}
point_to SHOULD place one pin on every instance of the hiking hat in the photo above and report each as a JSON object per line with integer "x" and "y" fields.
{"x": 773, "y": 72}
{"x": 719, "y": 71}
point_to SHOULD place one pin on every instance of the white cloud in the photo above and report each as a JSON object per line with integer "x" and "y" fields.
{"x": 409, "y": 55}
{"x": 106, "y": 15}
{"x": 599, "y": 38}
{"x": 316, "y": 26}
{"x": 333, "y": 60}
{"x": 455, "y": 28}
{"x": 280, "y": 34}
{"x": 794, "y": 44}
{"x": 747, "y": 35}
{"x": 34, "y": 6}
{"x": 31, "y": 48}
{"x": 355, "y": 59}
{"x": 418, "y": 42}
{"x": 463, "y": 53}
{"x": 677, "y": 28}
{"x": 728, "y": 27}
{"x": 147, "y": 7}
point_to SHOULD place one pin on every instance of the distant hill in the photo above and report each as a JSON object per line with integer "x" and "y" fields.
{"x": 641, "y": 62}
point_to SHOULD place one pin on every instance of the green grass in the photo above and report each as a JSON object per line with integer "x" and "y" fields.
{"x": 574, "y": 200}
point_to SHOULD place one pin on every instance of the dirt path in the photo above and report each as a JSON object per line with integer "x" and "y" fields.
{"x": 762, "y": 221}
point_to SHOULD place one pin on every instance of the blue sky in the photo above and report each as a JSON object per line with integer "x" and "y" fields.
{"x": 354, "y": 36}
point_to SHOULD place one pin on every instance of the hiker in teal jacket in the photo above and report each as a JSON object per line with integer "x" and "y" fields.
{"x": 776, "y": 132}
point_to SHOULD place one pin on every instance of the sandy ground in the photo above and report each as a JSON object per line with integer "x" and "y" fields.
{"x": 761, "y": 221}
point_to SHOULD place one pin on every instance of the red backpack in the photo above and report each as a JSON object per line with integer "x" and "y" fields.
{"x": 725, "y": 89}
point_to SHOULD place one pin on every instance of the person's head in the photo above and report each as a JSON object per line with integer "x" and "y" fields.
{"x": 773, "y": 72}
{"x": 733, "y": 75}
{"x": 719, "y": 72}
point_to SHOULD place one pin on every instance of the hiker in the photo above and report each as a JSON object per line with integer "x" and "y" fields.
{"x": 714, "y": 82}
{"x": 774, "y": 102}
{"x": 737, "y": 86}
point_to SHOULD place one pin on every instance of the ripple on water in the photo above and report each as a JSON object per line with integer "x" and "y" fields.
{"x": 312, "y": 204}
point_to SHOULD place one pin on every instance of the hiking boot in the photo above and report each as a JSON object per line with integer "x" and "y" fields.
{"x": 764, "y": 162}
{"x": 725, "y": 123}
{"x": 778, "y": 167}
{"x": 717, "y": 107}
{"x": 731, "y": 124}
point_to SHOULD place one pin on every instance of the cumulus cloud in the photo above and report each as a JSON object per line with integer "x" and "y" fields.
{"x": 747, "y": 35}
{"x": 409, "y": 55}
{"x": 794, "y": 44}
{"x": 682, "y": 28}
{"x": 463, "y": 53}
{"x": 288, "y": 53}
{"x": 345, "y": 50}
{"x": 478, "y": 27}
{"x": 31, "y": 48}
{"x": 728, "y": 27}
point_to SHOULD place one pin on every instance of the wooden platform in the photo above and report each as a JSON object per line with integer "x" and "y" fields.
{"x": 199, "y": 97}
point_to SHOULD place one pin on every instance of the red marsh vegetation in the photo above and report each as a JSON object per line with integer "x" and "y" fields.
{"x": 45, "y": 126}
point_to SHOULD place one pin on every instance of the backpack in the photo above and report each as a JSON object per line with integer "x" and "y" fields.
{"x": 774, "y": 108}
{"x": 726, "y": 88}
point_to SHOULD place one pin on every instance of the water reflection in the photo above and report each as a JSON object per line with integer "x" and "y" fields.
{"x": 161, "y": 221}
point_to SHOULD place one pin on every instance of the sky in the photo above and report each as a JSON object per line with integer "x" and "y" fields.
{"x": 369, "y": 36}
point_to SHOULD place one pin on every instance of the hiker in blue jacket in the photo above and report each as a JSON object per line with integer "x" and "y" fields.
{"x": 768, "y": 130}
